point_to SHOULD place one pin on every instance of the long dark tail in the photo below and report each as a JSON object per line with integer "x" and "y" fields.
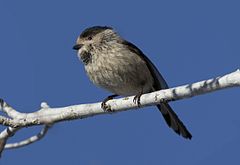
{"x": 173, "y": 121}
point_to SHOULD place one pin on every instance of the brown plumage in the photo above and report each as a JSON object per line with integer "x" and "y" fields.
{"x": 120, "y": 67}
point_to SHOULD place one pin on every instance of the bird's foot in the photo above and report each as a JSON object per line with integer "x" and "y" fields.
{"x": 136, "y": 99}
{"x": 106, "y": 107}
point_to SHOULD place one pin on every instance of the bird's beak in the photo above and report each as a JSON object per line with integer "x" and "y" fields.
{"x": 77, "y": 46}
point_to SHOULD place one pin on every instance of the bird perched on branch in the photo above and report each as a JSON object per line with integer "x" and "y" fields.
{"x": 120, "y": 67}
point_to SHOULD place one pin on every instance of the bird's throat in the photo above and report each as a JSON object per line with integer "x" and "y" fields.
{"x": 86, "y": 57}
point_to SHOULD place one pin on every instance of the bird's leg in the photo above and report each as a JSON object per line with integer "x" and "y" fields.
{"x": 104, "y": 106}
{"x": 136, "y": 99}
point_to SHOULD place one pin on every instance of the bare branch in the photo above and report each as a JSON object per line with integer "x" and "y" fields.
{"x": 4, "y": 135}
{"x": 30, "y": 140}
{"x": 8, "y": 109}
{"x": 48, "y": 116}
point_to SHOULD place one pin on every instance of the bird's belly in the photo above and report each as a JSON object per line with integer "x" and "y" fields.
{"x": 120, "y": 79}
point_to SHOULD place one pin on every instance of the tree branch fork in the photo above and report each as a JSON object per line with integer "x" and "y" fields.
{"x": 48, "y": 116}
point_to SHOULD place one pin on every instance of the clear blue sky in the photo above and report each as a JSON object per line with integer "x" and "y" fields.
{"x": 188, "y": 41}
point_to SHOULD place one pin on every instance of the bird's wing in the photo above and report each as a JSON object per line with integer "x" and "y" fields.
{"x": 159, "y": 82}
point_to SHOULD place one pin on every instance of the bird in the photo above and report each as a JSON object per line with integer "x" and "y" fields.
{"x": 120, "y": 67}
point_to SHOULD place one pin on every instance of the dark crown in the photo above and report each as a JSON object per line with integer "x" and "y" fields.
{"x": 92, "y": 31}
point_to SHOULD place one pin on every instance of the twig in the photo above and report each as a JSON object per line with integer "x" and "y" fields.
{"x": 30, "y": 140}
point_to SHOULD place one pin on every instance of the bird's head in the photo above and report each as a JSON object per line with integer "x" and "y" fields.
{"x": 94, "y": 39}
{"x": 94, "y": 36}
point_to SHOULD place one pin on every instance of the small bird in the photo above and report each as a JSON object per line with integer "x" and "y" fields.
{"x": 118, "y": 66}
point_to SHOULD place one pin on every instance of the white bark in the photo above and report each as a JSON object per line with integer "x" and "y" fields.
{"x": 48, "y": 116}
{"x": 30, "y": 140}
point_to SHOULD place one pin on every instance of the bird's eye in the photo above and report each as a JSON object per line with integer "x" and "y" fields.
{"x": 89, "y": 38}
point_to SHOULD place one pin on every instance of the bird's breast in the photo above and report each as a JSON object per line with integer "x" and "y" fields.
{"x": 120, "y": 73}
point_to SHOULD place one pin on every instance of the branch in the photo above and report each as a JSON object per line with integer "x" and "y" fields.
{"x": 4, "y": 135}
{"x": 30, "y": 140}
{"x": 9, "y": 132}
{"x": 48, "y": 116}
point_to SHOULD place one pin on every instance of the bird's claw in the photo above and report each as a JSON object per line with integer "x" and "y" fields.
{"x": 136, "y": 99}
{"x": 106, "y": 107}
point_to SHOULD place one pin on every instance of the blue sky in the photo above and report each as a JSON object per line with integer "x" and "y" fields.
{"x": 188, "y": 41}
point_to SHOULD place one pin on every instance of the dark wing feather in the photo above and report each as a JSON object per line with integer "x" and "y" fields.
{"x": 169, "y": 115}
{"x": 159, "y": 82}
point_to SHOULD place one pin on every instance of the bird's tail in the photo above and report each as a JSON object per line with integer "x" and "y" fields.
{"x": 173, "y": 121}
